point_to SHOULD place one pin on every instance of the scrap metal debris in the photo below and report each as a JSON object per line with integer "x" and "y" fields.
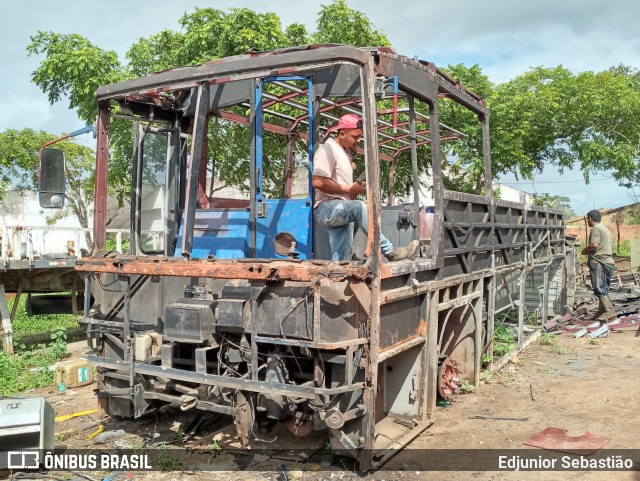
{"x": 581, "y": 321}
{"x": 492, "y": 418}
{"x": 555, "y": 439}
{"x": 532, "y": 390}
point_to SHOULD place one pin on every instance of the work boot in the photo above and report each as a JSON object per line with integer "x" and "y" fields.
{"x": 406, "y": 252}
{"x": 601, "y": 308}
{"x": 609, "y": 311}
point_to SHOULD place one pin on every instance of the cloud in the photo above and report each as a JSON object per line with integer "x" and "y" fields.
{"x": 507, "y": 37}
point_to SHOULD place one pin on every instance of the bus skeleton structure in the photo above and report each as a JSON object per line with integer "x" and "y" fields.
{"x": 231, "y": 304}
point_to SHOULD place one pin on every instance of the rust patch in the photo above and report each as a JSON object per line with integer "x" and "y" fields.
{"x": 398, "y": 343}
{"x": 220, "y": 269}
{"x": 422, "y": 327}
{"x": 385, "y": 271}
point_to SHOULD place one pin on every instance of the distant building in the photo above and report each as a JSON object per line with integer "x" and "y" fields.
{"x": 623, "y": 222}
{"x": 24, "y": 229}
{"x": 512, "y": 194}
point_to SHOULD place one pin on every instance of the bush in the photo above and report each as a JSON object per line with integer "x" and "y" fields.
{"x": 24, "y": 325}
{"x": 28, "y": 370}
{"x": 624, "y": 248}
{"x": 503, "y": 341}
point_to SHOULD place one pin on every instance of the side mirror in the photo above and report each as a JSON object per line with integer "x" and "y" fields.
{"x": 51, "y": 178}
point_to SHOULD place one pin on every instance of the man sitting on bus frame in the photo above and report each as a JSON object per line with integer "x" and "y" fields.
{"x": 335, "y": 205}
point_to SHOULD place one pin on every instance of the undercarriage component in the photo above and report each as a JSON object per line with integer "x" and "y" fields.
{"x": 300, "y": 425}
{"x": 243, "y": 416}
{"x": 189, "y": 320}
{"x": 334, "y": 419}
{"x": 274, "y": 404}
{"x": 447, "y": 378}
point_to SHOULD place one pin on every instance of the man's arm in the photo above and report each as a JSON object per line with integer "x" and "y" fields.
{"x": 591, "y": 248}
{"x": 328, "y": 186}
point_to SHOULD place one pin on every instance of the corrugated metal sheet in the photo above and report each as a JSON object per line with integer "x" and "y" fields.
{"x": 534, "y": 289}
{"x": 507, "y": 290}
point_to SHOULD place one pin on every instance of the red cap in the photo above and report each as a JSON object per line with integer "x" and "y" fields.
{"x": 349, "y": 121}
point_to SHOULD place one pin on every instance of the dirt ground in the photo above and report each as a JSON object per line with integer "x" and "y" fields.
{"x": 578, "y": 385}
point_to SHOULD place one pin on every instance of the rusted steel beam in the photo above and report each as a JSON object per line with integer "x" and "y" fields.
{"x": 102, "y": 165}
{"x": 317, "y": 313}
{"x": 283, "y": 98}
{"x": 222, "y": 269}
{"x": 367, "y": 76}
{"x": 415, "y": 174}
{"x": 452, "y": 88}
{"x": 418, "y": 144}
{"x": 438, "y": 186}
{"x": 202, "y": 200}
{"x": 400, "y": 268}
{"x": 278, "y": 129}
{"x": 401, "y": 346}
{"x": 327, "y": 109}
{"x": 203, "y": 405}
{"x": 405, "y": 136}
{"x": 231, "y": 66}
{"x": 291, "y": 390}
{"x": 458, "y": 302}
{"x": 329, "y": 346}
{"x": 193, "y": 169}
{"x": 486, "y": 154}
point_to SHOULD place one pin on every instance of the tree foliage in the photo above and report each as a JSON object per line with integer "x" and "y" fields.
{"x": 74, "y": 67}
{"x": 555, "y": 202}
{"x": 550, "y": 116}
{"x": 337, "y": 23}
{"x": 587, "y": 121}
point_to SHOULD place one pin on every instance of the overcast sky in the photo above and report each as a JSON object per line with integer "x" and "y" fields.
{"x": 505, "y": 37}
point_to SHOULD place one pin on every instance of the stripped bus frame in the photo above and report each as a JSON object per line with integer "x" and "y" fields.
{"x": 366, "y": 341}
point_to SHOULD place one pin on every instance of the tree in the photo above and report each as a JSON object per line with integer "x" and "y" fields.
{"x": 552, "y": 116}
{"x": 19, "y": 151}
{"x": 74, "y": 67}
{"x": 589, "y": 120}
{"x": 337, "y": 23}
{"x": 555, "y": 202}
{"x": 463, "y": 160}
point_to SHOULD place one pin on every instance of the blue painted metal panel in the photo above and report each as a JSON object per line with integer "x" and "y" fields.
{"x": 222, "y": 233}
{"x": 225, "y": 233}
{"x": 285, "y": 215}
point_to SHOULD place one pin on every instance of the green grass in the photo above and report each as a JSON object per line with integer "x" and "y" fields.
{"x": 28, "y": 370}
{"x": 25, "y": 326}
{"x": 547, "y": 339}
{"x": 623, "y": 249}
{"x": 503, "y": 341}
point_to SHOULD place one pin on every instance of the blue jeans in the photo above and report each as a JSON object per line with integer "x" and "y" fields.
{"x": 600, "y": 278}
{"x": 339, "y": 216}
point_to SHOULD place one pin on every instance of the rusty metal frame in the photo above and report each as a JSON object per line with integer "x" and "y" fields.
{"x": 475, "y": 238}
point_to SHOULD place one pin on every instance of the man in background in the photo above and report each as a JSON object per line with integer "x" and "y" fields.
{"x": 601, "y": 264}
